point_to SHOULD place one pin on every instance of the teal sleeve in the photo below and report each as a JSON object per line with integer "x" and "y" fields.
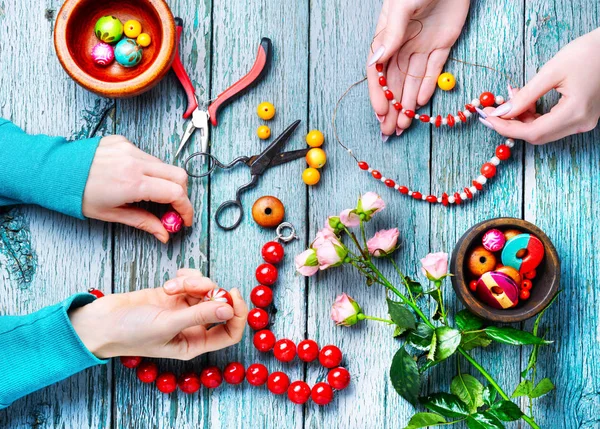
{"x": 43, "y": 170}
{"x": 40, "y": 349}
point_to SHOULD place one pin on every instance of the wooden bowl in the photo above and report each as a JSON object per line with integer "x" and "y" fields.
{"x": 74, "y": 39}
{"x": 545, "y": 284}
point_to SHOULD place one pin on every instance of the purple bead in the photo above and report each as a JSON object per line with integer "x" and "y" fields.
{"x": 103, "y": 54}
{"x": 493, "y": 240}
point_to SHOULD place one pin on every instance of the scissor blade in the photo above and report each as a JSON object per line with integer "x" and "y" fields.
{"x": 282, "y": 158}
{"x": 263, "y": 161}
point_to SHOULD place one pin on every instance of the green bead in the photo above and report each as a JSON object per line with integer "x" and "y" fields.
{"x": 109, "y": 29}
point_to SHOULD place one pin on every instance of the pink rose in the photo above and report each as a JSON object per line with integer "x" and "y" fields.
{"x": 345, "y": 311}
{"x": 331, "y": 253}
{"x": 349, "y": 218}
{"x": 383, "y": 242}
{"x": 321, "y": 237}
{"x": 307, "y": 263}
{"x": 435, "y": 265}
{"x": 369, "y": 204}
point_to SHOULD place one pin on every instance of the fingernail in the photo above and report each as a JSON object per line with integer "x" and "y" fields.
{"x": 170, "y": 286}
{"x": 481, "y": 113}
{"x": 235, "y": 291}
{"x": 510, "y": 91}
{"x": 376, "y": 55}
{"x": 224, "y": 313}
{"x": 486, "y": 123}
{"x": 380, "y": 118}
{"x": 399, "y": 131}
{"x": 502, "y": 109}
{"x": 162, "y": 239}
{"x": 384, "y": 138}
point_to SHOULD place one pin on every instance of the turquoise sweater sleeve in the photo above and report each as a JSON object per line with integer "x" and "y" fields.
{"x": 40, "y": 349}
{"x": 43, "y": 170}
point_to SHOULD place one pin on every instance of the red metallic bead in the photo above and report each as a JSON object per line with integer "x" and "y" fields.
{"x": 95, "y": 292}
{"x": 487, "y": 99}
{"x": 473, "y": 285}
{"x": 308, "y": 350}
{"x": 166, "y": 382}
{"x": 526, "y": 284}
{"x": 266, "y": 274}
{"x": 450, "y": 119}
{"x": 390, "y": 183}
{"x": 424, "y": 118}
{"x": 438, "y": 121}
{"x": 189, "y": 383}
{"x": 211, "y": 377}
{"x": 410, "y": 113}
{"x": 298, "y": 392}
{"x": 403, "y": 189}
{"x": 488, "y": 170}
{"x": 257, "y": 374}
{"x": 376, "y": 174}
{"x": 363, "y": 165}
{"x": 330, "y": 356}
{"x": 147, "y": 372}
{"x": 478, "y": 185}
{"x": 417, "y": 195}
{"x": 397, "y": 106}
{"x": 457, "y": 198}
{"x": 503, "y": 152}
{"x": 234, "y": 373}
{"x": 321, "y": 393}
{"x": 524, "y": 294}
{"x": 284, "y": 350}
{"x": 130, "y": 361}
{"x": 462, "y": 116}
{"x": 338, "y": 378}
{"x": 379, "y": 67}
{"x": 445, "y": 199}
{"x": 272, "y": 252}
{"x": 470, "y": 108}
{"x": 278, "y": 383}
{"x": 258, "y": 319}
{"x": 431, "y": 198}
{"x": 264, "y": 340}
{"x": 389, "y": 94}
{"x": 382, "y": 81}
{"x": 469, "y": 193}
{"x": 261, "y": 296}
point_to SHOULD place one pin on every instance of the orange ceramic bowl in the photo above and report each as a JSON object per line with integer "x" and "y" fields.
{"x": 74, "y": 39}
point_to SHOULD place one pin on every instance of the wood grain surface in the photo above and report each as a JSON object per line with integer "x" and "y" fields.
{"x": 320, "y": 48}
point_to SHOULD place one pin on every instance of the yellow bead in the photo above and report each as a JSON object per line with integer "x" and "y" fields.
{"x": 143, "y": 40}
{"x": 263, "y": 132}
{"x": 132, "y": 28}
{"x": 446, "y": 81}
{"x": 315, "y": 138}
{"x": 311, "y": 176}
{"x": 316, "y": 157}
{"x": 265, "y": 110}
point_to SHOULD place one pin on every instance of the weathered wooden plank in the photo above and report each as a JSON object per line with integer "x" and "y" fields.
{"x": 62, "y": 255}
{"x": 561, "y": 190}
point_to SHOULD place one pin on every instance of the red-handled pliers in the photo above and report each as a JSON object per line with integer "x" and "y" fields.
{"x": 199, "y": 118}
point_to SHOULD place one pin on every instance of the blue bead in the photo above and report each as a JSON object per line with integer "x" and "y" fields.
{"x": 511, "y": 248}
{"x": 128, "y": 53}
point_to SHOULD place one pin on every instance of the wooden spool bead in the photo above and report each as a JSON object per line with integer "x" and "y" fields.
{"x": 268, "y": 211}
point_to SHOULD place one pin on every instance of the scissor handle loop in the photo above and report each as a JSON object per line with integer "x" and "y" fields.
{"x": 212, "y": 163}
{"x": 226, "y": 204}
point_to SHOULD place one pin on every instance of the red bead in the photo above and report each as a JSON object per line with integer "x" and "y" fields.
{"x": 147, "y": 372}
{"x": 438, "y": 121}
{"x": 258, "y": 319}
{"x": 234, "y": 373}
{"x": 503, "y": 152}
{"x": 424, "y": 118}
{"x": 487, "y": 99}
{"x": 272, "y": 252}
{"x": 363, "y": 165}
{"x": 298, "y": 392}
{"x": 278, "y": 383}
{"x": 473, "y": 285}
{"x": 397, "y": 106}
{"x": 308, "y": 350}
{"x": 450, "y": 119}
{"x": 390, "y": 183}
{"x": 382, "y": 81}
{"x": 189, "y": 383}
{"x": 389, "y": 94}
{"x": 478, "y": 185}
{"x": 445, "y": 199}
{"x": 166, "y": 382}
{"x": 417, "y": 195}
{"x": 379, "y": 67}
{"x": 469, "y": 193}
{"x": 526, "y": 284}
{"x": 211, "y": 377}
{"x": 264, "y": 340}
{"x": 321, "y": 394}
{"x": 524, "y": 294}
{"x": 410, "y": 113}
{"x": 457, "y": 198}
{"x": 257, "y": 374}
{"x": 488, "y": 170}
{"x": 130, "y": 361}
{"x": 462, "y": 116}
{"x": 218, "y": 295}
{"x": 403, "y": 189}
{"x": 530, "y": 274}
{"x": 431, "y": 198}
{"x": 96, "y": 292}
{"x": 470, "y": 108}
{"x": 266, "y": 274}
{"x": 261, "y": 296}
{"x": 284, "y": 350}
{"x": 338, "y": 378}
{"x": 376, "y": 174}
{"x": 330, "y": 356}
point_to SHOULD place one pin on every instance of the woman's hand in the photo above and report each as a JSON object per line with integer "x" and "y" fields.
{"x": 403, "y": 47}
{"x": 122, "y": 174}
{"x": 575, "y": 73}
{"x": 168, "y": 322}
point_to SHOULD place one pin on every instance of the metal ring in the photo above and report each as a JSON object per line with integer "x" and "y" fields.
{"x": 237, "y": 206}
{"x": 286, "y": 238}
{"x": 211, "y": 160}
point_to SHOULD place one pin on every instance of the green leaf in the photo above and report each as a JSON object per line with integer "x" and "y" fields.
{"x": 401, "y": 315}
{"x": 437, "y": 297}
{"x": 484, "y": 421}
{"x": 543, "y": 387}
{"x": 445, "y": 404}
{"x": 448, "y": 339}
{"x": 420, "y": 338}
{"x": 432, "y": 348}
{"x": 428, "y": 364}
{"x": 414, "y": 286}
{"x": 506, "y": 410}
{"x": 471, "y": 340}
{"x": 405, "y": 377}
{"x": 399, "y": 331}
{"x": 421, "y": 420}
{"x": 523, "y": 389}
{"x": 489, "y": 395}
{"x": 469, "y": 390}
{"x": 532, "y": 362}
{"x": 467, "y": 321}
{"x": 513, "y": 336}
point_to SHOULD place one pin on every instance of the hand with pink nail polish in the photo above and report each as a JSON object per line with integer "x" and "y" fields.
{"x": 412, "y": 37}
{"x": 575, "y": 73}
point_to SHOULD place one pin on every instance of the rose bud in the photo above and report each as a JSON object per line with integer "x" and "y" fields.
{"x": 307, "y": 263}
{"x": 331, "y": 253}
{"x": 321, "y": 237}
{"x": 435, "y": 266}
{"x": 369, "y": 204}
{"x": 383, "y": 242}
{"x": 345, "y": 311}
{"x": 349, "y": 218}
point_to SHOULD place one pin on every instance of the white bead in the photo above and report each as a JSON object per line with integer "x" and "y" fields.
{"x": 510, "y": 143}
{"x": 499, "y": 99}
{"x": 385, "y": 88}
{"x": 444, "y": 121}
{"x": 463, "y": 195}
{"x": 439, "y": 200}
{"x": 403, "y": 110}
{"x": 424, "y": 198}
{"x": 396, "y": 186}
{"x": 475, "y": 102}
{"x": 467, "y": 113}
{"x": 410, "y": 193}
{"x": 457, "y": 120}
{"x": 451, "y": 200}
{"x": 495, "y": 160}
{"x": 417, "y": 116}
{"x": 394, "y": 101}
{"x": 432, "y": 121}
{"x": 481, "y": 179}
{"x": 379, "y": 74}
{"x": 383, "y": 179}
{"x": 473, "y": 190}
{"x": 370, "y": 170}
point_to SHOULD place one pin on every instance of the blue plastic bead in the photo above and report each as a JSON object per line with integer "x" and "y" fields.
{"x": 128, "y": 53}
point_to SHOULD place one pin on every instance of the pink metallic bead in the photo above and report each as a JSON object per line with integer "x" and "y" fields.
{"x": 172, "y": 221}
{"x": 103, "y": 54}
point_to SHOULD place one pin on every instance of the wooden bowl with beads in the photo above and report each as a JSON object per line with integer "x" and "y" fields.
{"x": 545, "y": 284}
{"x": 74, "y": 39}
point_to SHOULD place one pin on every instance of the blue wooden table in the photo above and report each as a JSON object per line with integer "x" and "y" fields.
{"x": 319, "y": 49}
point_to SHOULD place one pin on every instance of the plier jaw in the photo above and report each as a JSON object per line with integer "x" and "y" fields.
{"x": 198, "y": 121}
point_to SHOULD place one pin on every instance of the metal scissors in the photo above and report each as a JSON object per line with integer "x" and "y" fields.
{"x": 258, "y": 164}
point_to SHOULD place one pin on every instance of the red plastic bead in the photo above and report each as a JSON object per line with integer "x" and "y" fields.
{"x": 488, "y": 170}
{"x": 524, "y": 294}
{"x": 469, "y": 193}
{"x": 363, "y": 165}
{"x": 130, "y": 361}
{"x": 457, "y": 198}
{"x": 330, "y": 356}
{"x": 218, "y": 295}
{"x": 258, "y": 319}
{"x": 234, "y": 373}
{"x": 298, "y": 392}
{"x": 503, "y": 152}
{"x": 487, "y": 99}
{"x": 264, "y": 340}
{"x": 278, "y": 383}
{"x": 96, "y": 292}
{"x": 379, "y": 67}
{"x": 470, "y": 108}
{"x": 462, "y": 116}
{"x": 211, "y": 377}
{"x": 477, "y": 185}
{"x": 531, "y": 274}
{"x": 410, "y": 113}
{"x": 166, "y": 382}
{"x": 445, "y": 199}
{"x": 272, "y": 252}
{"x": 438, "y": 121}
{"x": 308, "y": 350}
{"x": 397, "y": 106}
{"x": 189, "y": 383}
{"x": 389, "y": 94}
{"x": 266, "y": 274}
{"x": 424, "y": 118}
{"x": 403, "y": 189}
{"x": 382, "y": 81}
{"x": 431, "y": 198}
{"x": 257, "y": 374}
{"x": 473, "y": 285}
{"x": 376, "y": 174}
{"x": 417, "y": 195}
{"x": 321, "y": 394}
{"x": 284, "y": 350}
{"x": 339, "y": 378}
{"x": 147, "y": 372}
{"x": 390, "y": 183}
{"x": 261, "y": 296}
{"x": 450, "y": 119}
{"x": 526, "y": 284}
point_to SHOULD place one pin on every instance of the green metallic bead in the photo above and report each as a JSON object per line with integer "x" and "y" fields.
{"x": 109, "y": 29}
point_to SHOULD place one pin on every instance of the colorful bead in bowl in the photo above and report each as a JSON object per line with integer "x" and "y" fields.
{"x": 103, "y": 54}
{"x": 493, "y": 240}
{"x": 128, "y": 53}
{"x": 497, "y": 290}
{"x": 109, "y": 29}
{"x": 534, "y": 252}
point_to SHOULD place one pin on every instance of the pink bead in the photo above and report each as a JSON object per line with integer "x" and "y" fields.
{"x": 103, "y": 54}
{"x": 172, "y": 221}
{"x": 493, "y": 240}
